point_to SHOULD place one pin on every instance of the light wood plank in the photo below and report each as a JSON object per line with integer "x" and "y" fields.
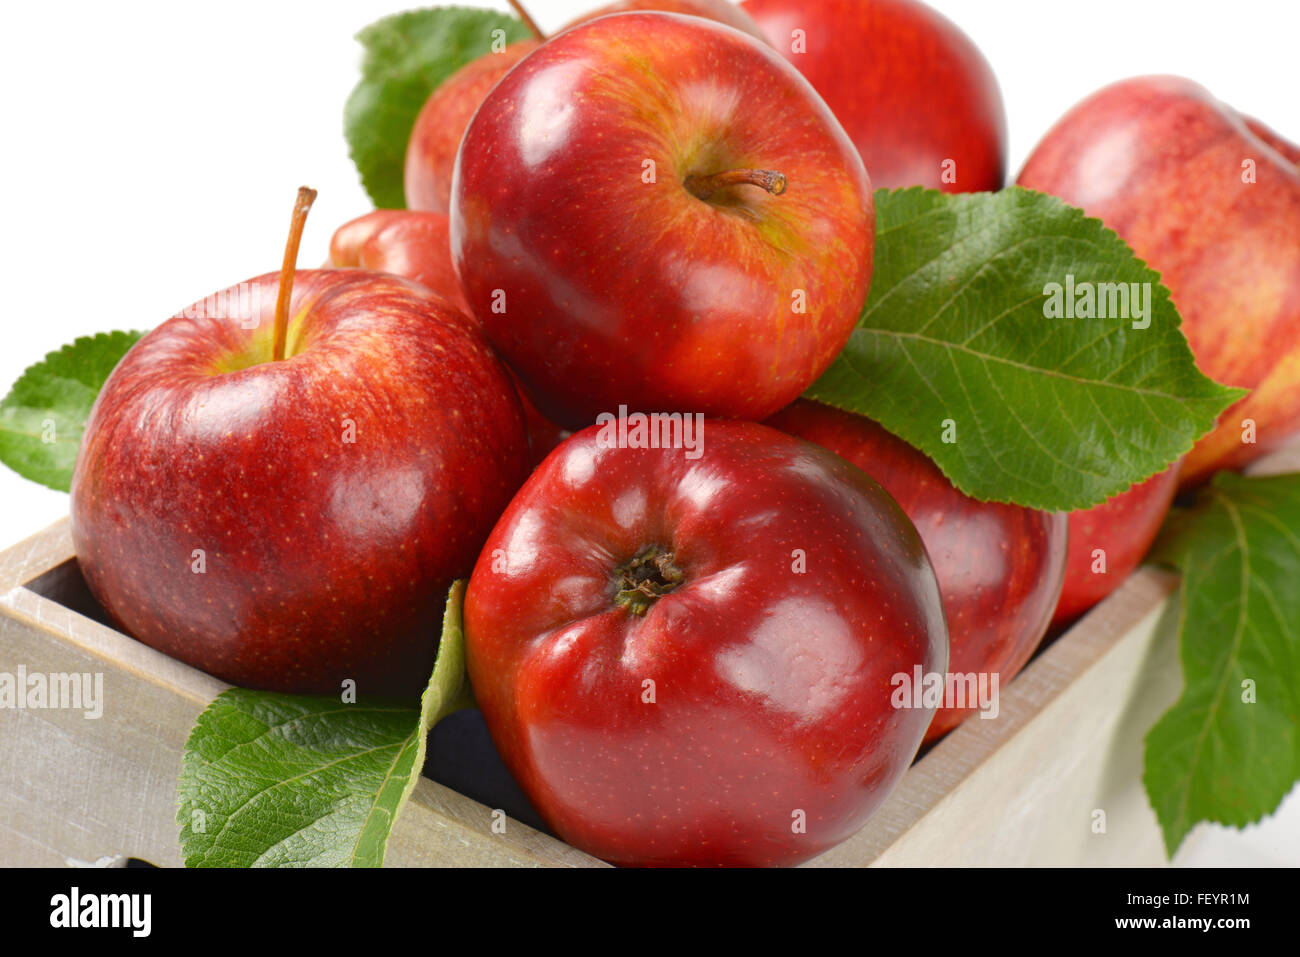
{"x": 74, "y": 789}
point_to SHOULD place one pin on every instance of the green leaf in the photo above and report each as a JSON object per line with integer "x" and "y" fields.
{"x": 44, "y": 414}
{"x": 1053, "y": 413}
{"x": 274, "y": 780}
{"x": 1229, "y": 749}
{"x": 406, "y": 57}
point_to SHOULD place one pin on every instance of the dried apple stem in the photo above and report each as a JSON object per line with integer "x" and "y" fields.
{"x": 646, "y": 578}
{"x": 529, "y": 22}
{"x": 300, "y": 207}
{"x": 768, "y": 179}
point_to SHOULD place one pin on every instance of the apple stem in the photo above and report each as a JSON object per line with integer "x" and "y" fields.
{"x": 646, "y": 578}
{"x": 301, "y": 205}
{"x": 705, "y": 186}
{"x": 529, "y": 22}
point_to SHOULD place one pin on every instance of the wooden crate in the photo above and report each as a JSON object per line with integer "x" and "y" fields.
{"x": 1024, "y": 788}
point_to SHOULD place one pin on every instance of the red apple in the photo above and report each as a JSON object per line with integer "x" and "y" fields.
{"x": 671, "y": 225}
{"x": 543, "y": 434}
{"x": 913, "y": 92}
{"x": 289, "y": 523}
{"x": 410, "y": 244}
{"x": 414, "y": 245}
{"x": 1121, "y": 529}
{"x": 1215, "y": 209}
{"x": 431, "y": 150}
{"x": 1290, "y": 151}
{"x": 999, "y": 566}
{"x": 436, "y": 136}
{"x": 720, "y": 11}
{"x": 688, "y": 659}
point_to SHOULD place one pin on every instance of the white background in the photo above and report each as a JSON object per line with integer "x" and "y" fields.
{"x": 151, "y": 152}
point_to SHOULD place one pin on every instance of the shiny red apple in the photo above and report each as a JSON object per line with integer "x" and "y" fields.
{"x": 414, "y": 245}
{"x": 670, "y": 225}
{"x": 436, "y": 136}
{"x": 431, "y": 150}
{"x": 688, "y": 659}
{"x": 284, "y": 503}
{"x": 410, "y": 244}
{"x": 999, "y": 566}
{"x": 1210, "y": 199}
{"x": 720, "y": 11}
{"x": 915, "y": 95}
{"x": 1108, "y": 541}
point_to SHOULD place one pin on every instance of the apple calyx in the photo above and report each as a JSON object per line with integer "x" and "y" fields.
{"x": 702, "y": 187}
{"x": 646, "y": 578}
{"x": 302, "y": 204}
{"x": 529, "y": 22}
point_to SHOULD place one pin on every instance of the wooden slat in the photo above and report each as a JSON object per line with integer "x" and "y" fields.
{"x": 74, "y": 789}
{"x": 440, "y": 827}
